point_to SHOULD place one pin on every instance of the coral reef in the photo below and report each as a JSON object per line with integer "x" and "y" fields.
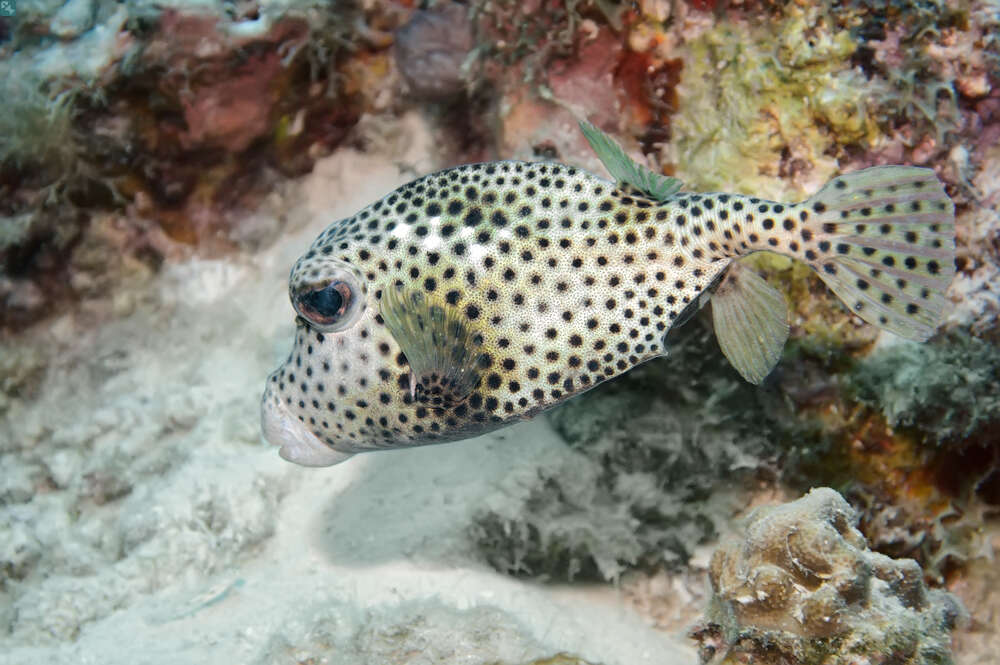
{"x": 801, "y": 586}
{"x": 943, "y": 534}
{"x": 148, "y": 153}
{"x": 977, "y": 300}
{"x": 666, "y": 452}
{"x": 977, "y": 589}
{"x": 534, "y": 34}
{"x": 773, "y": 102}
{"x": 917, "y": 452}
{"x": 177, "y": 120}
{"x": 756, "y": 94}
{"x": 911, "y": 441}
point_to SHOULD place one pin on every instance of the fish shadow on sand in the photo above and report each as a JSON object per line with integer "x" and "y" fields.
{"x": 417, "y": 504}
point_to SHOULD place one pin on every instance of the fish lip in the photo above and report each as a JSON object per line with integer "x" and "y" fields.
{"x": 297, "y": 444}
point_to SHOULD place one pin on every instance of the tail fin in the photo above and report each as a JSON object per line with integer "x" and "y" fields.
{"x": 886, "y": 241}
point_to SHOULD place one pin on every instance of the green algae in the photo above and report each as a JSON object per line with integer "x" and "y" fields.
{"x": 759, "y": 101}
{"x": 36, "y": 126}
{"x": 948, "y": 390}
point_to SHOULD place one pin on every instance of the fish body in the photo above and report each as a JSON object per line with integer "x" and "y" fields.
{"x": 484, "y": 294}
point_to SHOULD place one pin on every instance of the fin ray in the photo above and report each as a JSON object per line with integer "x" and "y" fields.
{"x": 625, "y": 169}
{"x": 890, "y": 238}
{"x": 751, "y": 322}
{"x": 442, "y": 351}
{"x": 896, "y": 302}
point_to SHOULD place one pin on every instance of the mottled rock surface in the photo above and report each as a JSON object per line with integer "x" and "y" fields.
{"x": 432, "y": 52}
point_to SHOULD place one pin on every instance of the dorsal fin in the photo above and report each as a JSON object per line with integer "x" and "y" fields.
{"x": 626, "y": 170}
{"x": 444, "y": 354}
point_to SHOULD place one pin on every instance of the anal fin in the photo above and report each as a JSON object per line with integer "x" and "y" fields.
{"x": 443, "y": 352}
{"x": 751, "y": 322}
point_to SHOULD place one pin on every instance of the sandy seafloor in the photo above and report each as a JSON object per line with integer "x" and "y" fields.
{"x": 168, "y": 532}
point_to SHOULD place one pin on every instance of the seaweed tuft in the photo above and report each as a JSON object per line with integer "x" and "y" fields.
{"x": 948, "y": 390}
{"x": 38, "y": 139}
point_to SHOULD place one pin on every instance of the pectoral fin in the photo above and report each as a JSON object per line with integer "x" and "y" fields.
{"x": 751, "y": 322}
{"x": 626, "y": 170}
{"x": 443, "y": 352}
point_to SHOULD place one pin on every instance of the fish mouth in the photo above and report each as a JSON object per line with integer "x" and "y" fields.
{"x": 297, "y": 444}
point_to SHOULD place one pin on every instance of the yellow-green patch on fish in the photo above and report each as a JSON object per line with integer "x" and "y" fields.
{"x": 484, "y": 294}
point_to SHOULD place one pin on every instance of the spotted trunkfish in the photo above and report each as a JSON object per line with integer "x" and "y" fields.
{"x": 484, "y": 294}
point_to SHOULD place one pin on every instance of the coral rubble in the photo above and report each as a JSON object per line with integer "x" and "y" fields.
{"x": 801, "y": 586}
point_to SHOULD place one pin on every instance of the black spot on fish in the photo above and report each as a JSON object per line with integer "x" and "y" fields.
{"x": 473, "y": 217}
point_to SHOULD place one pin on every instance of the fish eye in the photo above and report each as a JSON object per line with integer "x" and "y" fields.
{"x": 327, "y": 304}
{"x": 328, "y": 307}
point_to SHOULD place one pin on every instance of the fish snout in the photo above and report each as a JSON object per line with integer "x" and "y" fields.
{"x": 297, "y": 443}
